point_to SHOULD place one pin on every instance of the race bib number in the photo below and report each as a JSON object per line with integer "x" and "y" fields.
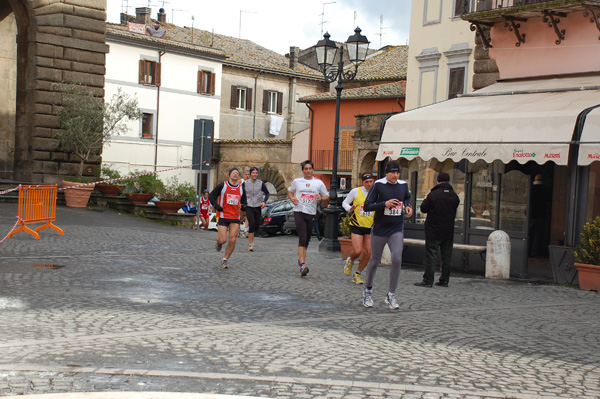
{"x": 396, "y": 211}
{"x": 307, "y": 198}
{"x": 204, "y": 206}
{"x": 363, "y": 213}
{"x": 233, "y": 199}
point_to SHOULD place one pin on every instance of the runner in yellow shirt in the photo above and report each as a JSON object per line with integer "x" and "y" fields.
{"x": 360, "y": 227}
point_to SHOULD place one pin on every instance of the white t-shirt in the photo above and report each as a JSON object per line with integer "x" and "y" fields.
{"x": 306, "y": 191}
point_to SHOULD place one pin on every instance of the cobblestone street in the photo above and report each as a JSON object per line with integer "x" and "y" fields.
{"x": 134, "y": 305}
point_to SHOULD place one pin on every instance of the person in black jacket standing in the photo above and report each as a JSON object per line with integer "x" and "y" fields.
{"x": 440, "y": 206}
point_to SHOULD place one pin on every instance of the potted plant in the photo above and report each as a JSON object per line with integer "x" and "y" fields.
{"x": 174, "y": 195}
{"x": 86, "y": 122}
{"x": 345, "y": 240}
{"x": 587, "y": 256}
{"x": 109, "y": 189}
{"x": 141, "y": 188}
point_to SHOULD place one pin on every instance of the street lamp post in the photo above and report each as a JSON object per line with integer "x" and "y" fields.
{"x": 357, "y": 46}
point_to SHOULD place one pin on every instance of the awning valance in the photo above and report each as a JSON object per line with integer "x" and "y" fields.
{"x": 589, "y": 147}
{"x": 503, "y": 122}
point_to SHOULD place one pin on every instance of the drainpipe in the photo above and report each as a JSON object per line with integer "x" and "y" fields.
{"x": 160, "y": 54}
{"x": 260, "y": 72}
{"x": 291, "y": 110}
{"x": 310, "y": 129}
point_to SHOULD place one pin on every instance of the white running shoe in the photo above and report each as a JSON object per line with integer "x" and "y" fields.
{"x": 367, "y": 298}
{"x": 390, "y": 299}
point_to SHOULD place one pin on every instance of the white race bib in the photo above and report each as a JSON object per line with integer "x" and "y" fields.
{"x": 307, "y": 198}
{"x": 233, "y": 199}
{"x": 363, "y": 213}
{"x": 396, "y": 211}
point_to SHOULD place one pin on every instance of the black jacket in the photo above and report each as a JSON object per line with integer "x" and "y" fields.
{"x": 440, "y": 207}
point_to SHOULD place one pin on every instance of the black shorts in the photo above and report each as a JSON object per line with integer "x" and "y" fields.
{"x": 361, "y": 231}
{"x": 227, "y": 222}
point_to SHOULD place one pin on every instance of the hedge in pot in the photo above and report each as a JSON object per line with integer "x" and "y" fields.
{"x": 345, "y": 241}
{"x": 587, "y": 255}
{"x": 86, "y": 122}
{"x": 109, "y": 189}
{"x": 174, "y": 195}
{"x": 142, "y": 188}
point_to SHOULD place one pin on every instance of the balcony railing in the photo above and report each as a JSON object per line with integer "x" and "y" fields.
{"x": 472, "y": 6}
{"x": 323, "y": 160}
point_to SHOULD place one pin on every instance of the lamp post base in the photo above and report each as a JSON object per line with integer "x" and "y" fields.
{"x": 330, "y": 242}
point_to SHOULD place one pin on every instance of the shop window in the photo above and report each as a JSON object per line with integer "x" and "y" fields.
{"x": 513, "y": 201}
{"x": 484, "y": 187}
{"x": 593, "y": 199}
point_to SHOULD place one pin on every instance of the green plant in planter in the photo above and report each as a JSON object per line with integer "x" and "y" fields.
{"x": 345, "y": 225}
{"x": 588, "y": 251}
{"x": 107, "y": 173}
{"x": 149, "y": 184}
{"x": 175, "y": 191}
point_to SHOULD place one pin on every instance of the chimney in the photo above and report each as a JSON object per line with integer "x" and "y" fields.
{"x": 162, "y": 16}
{"x": 124, "y": 18}
{"x": 294, "y": 52}
{"x": 142, "y": 15}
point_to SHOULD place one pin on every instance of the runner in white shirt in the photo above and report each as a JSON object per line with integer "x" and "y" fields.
{"x": 305, "y": 192}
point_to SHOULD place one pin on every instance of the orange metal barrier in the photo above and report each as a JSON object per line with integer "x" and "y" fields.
{"x": 37, "y": 204}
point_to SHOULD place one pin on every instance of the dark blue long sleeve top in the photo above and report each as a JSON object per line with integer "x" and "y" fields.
{"x": 386, "y": 223}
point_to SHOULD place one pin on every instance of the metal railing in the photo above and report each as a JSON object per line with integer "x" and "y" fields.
{"x": 471, "y": 6}
{"x": 323, "y": 159}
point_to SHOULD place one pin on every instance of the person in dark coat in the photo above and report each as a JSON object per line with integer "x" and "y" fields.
{"x": 440, "y": 207}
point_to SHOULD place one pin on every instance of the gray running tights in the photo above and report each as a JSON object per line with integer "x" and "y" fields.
{"x": 396, "y": 243}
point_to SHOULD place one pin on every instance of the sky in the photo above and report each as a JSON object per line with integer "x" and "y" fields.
{"x": 279, "y": 24}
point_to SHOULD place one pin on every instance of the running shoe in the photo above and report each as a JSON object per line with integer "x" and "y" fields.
{"x": 390, "y": 299}
{"x": 224, "y": 264}
{"x": 368, "y": 298}
{"x": 356, "y": 278}
{"x": 303, "y": 270}
{"x": 348, "y": 267}
{"x": 218, "y": 247}
{"x": 251, "y": 247}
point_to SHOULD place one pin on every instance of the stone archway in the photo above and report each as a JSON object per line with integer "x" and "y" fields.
{"x": 271, "y": 175}
{"x": 41, "y": 44}
{"x": 368, "y": 162}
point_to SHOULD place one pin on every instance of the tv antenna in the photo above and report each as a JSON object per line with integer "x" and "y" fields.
{"x": 323, "y": 16}
{"x": 240, "y": 31}
{"x": 173, "y": 14}
{"x": 381, "y": 28}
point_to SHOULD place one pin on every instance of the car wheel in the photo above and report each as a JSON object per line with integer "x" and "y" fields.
{"x": 285, "y": 231}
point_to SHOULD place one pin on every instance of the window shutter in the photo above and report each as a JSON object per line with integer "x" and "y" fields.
{"x": 234, "y": 100}
{"x": 157, "y": 74}
{"x": 265, "y": 107}
{"x": 200, "y": 83}
{"x": 212, "y": 82}
{"x": 279, "y": 102}
{"x": 248, "y": 99}
{"x": 142, "y": 65}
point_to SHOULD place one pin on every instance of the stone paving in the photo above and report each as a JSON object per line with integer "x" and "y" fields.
{"x": 133, "y": 305}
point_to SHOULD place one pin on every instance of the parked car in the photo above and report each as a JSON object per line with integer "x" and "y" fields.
{"x": 273, "y": 217}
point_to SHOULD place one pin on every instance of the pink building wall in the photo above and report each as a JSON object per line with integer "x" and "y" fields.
{"x": 539, "y": 55}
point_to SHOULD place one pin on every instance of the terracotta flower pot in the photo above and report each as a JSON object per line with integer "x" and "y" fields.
{"x": 589, "y": 276}
{"x": 109, "y": 190}
{"x": 169, "y": 206}
{"x": 139, "y": 198}
{"x": 345, "y": 247}
{"x": 77, "y": 197}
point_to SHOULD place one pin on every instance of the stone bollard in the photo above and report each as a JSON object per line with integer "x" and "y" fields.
{"x": 497, "y": 258}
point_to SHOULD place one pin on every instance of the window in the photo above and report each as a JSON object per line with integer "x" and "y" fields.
{"x": 460, "y": 7}
{"x": 456, "y": 85}
{"x": 206, "y": 82}
{"x": 146, "y": 121}
{"x": 150, "y": 72}
{"x": 241, "y": 98}
{"x": 272, "y": 102}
